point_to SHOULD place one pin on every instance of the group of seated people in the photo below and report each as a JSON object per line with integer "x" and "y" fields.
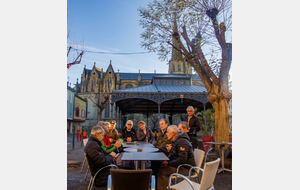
{"x": 175, "y": 142}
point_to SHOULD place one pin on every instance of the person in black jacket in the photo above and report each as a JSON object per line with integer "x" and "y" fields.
{"x": 193, "y": 121}
{"x": 129, "y": 133}
{"x": 97, "y": 157}
{"x": 144, "y": 133}
{"x": 184, "y": 127}
{"x": 181, "y": 153}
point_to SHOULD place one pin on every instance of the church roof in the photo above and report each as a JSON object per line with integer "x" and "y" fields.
{"x": 165, "y": 88}
{"x": 149, "y": 76}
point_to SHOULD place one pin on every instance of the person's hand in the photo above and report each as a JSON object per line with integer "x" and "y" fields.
{"x": 165, "y": 163}
{"x": 128, "y": 139}
{"x": 111, "y": 140}
{"x": 113, "y": 154}
{"x": 168, "y": 147}
{"x": 118, "y": 144}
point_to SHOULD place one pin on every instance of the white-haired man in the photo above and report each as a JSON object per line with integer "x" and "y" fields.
{"x": 193, "y": 121}
{"x": 181, "y": 153}
{"x": 97, "y": 156}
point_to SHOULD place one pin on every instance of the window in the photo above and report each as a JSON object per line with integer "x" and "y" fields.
{"x": 128, "y": 86}
{"x": 175, "y": 81}
{"x": 157, "y": 81}
{"x": 173, "y": 67}
{"x": 169, "y": 81}
{"x": 181, "y": 82}
{"x": 163, "y": 81}
{"x": 77, "y": 112}
{"x": 179, "y": 68}
{"x": 187, "y": 81}
{"x": 107, "y": 110}
{"x": 82, "y": 113}
{"x": 71, "y": 108}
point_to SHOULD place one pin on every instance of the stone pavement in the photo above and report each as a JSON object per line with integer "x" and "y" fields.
{"x": 75, "y": 179}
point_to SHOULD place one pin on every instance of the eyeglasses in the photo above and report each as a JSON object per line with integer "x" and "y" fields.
{"x": 129, "y": 124}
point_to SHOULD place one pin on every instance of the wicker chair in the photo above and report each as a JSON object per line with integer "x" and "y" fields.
{"x": 122, "y": 179}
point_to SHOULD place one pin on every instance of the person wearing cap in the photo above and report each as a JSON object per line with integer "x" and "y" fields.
{"x": 112, "y": 132}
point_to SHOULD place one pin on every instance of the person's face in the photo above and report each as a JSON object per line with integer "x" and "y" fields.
{"x": 170, "y": 134}
{"x": 106, "y": 129}
{"x": 163, "y": 125}
{"x": 190, "y": 112}
{"x": 182, "y": 129}
{"x": 100, "y": 136}
{"x": 111, "y": 126}
{"x": 142, "y": 126}
{"x": 129, "y": 125}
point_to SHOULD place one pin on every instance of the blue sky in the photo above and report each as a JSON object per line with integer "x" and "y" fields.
{"x": 109, "y": 26}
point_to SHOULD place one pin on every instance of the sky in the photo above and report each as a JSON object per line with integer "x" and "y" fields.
{"x": 109, "y": 26}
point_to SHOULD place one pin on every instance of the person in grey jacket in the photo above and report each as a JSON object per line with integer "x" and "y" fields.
{"x": 144, "y": 133}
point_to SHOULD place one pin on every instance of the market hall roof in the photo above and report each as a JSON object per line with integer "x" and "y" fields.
{"x": 146, "y": 98}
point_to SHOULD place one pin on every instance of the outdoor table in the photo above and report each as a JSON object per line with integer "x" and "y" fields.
{"x": 142, "y": 157}
{"x": 145, "y": 149}
{"x": 222, "y": 144}
{"x": 141, "y": 144}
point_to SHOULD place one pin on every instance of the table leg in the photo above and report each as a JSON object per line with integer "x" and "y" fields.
{"x": 136, "y": 164}
{"x": 222, "y": 162}
{"x": 143, "y": 165}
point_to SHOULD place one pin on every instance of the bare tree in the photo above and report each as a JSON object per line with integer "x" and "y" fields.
{"x": 100, "y": 100}
{"x": 196, "y": 30}
{"x": 76, "y": 56}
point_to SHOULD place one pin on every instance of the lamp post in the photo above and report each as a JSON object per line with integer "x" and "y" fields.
{"x": 181, "y": 96}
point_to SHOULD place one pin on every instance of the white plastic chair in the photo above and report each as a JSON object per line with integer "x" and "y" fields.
{"x": 199, "y": 156}
{"x": 207, "y": 180}
{"x": 84, "y": 144}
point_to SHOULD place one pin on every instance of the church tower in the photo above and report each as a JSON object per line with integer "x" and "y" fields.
{"x": 177, "y": 65}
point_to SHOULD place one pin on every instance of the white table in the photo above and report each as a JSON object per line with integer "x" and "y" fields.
{"x": 222, "y": 144}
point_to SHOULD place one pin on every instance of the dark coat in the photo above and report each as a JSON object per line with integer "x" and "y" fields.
{"x": 126, "y": 134}
{"x": 98, "y": 159}
{"x": 162, "y": 140}
{"x": 142, "y": 137}
{"x": 193, "y": 141}
{"x": 181, "y": 151}
{"x": 194, "y": 123}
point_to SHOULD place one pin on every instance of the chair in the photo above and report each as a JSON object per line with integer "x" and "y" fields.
{"x": 91, "y": 183}
{"x": 207, "y": 180}
{"x": 130, "y": 180}
{"x": 199, "y": 156}
{"x": 211, "y": 154}
{"x": 87, "y": 170}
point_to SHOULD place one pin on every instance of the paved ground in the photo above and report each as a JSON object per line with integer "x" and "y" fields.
{"x": 75, "y": 179}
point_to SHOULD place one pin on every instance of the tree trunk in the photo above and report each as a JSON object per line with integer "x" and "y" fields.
{"x": 221, "y": 131}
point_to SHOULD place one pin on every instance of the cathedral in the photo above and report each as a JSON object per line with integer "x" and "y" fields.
{"x": 96, "y": 83}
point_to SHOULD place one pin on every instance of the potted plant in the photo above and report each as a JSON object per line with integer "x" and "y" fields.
{"x": 207, "y": 121}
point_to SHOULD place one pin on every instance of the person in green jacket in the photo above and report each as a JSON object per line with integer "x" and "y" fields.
{"x": 108, "y": 149}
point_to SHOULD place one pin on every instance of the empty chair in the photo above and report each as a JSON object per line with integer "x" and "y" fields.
{"x": 93, "y": 176}
{"x": 87, "y": 170}
{"x": 122, "y": 179}
{"x": 207, "y": 180}
{"x": 199, "y": 156}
